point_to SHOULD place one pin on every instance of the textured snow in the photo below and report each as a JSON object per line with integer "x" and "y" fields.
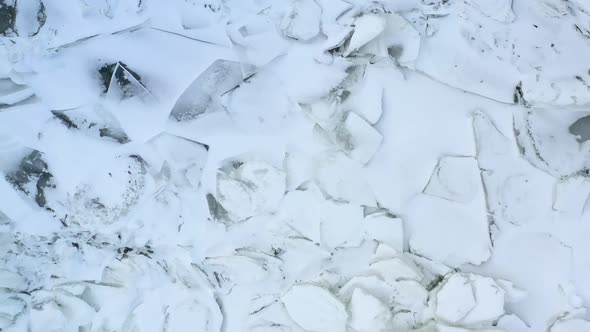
{"x": 294, "y": 165}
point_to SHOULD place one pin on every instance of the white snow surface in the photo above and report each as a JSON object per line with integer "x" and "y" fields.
{"x": 294, "y": 165}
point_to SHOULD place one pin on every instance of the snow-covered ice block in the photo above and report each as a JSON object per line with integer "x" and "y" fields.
{"x": 302, "y": 21}
{"x": 492, "y": 146}
{"x": 315, "y": 309}
{"x": 384, "y": 227}
{"x": 571, "y": 194}
{"x": 450, "y": 232}
{"x": 11, "y": 308}
{"x": 246, "y": 188}
{"x": 180, "y": 159}
{"x": 356, "y": 137}
{"x": 300, "y": 209}
{"x": 367, "y": 313}
{"x": 469, "y": 300}
{"x": 341, "y": 179}
{"x": 455, "y": 178}
{"x": 203, "y": 94}
{"x": 396, "y": 269}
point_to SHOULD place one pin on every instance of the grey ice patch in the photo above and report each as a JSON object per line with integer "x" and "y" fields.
{"x": 92, "y": 121}
{"x": 203, "y": 95}
{"x": 7, "y": 17}
{"x": 581, "y": 129}
{"x": 32, "y": 177}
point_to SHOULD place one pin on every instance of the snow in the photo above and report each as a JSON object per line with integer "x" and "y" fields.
{"x": 294, "y": 165}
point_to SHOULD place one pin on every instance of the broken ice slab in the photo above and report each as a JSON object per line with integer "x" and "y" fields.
{"x": 121, "y": 82}
{"x": 382, "y": 226}
{"x": 455, "y": 178}
{"x": 244, "y": 268}
{"x": 302, "y": 21}
{"x": 341, "y": 179}
{"x": 179, "y": 158}
{"x": 12, "y": 94}
{"x": 468, "y": 300}
{"x": 94, "y": 121}
{"x": 581, "y": 129}
{"x": 396, "y": 269}
{"x": 462, "y": 230}
{"x": 357, "y": 138}
{"x": 203, "y": 94}
{"x": 246, "y": 188}
{"x": 367, "y": 313}
{"x": 572, "y": 194}
{"x": 492, "y": 146}
{"x": 315, "y": 309}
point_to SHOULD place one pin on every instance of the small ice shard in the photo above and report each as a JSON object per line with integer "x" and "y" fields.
{"x": 302, "y": 21}
{"x": 94, "y": 121}
{"x": 581, "y": 129}
{"x": 120, "y": 81}
{"x": 366, "y": 28}
{"x": 315, "y": 309}
{"x": 571, "y": 194}
{"x": 11, "y": 93}
{"x": 357, "y": 138}
{"x": 367, "y": 313}
{"x": 384, "y": 227}
{"x": 499, "y": 10}
{"x": 204, "y": 93}
{"x": 455, "y": 178}
{"x": 248, "y": 188}
{"x": 469, "y": 300}
{"x": 570, "y": 325}
{"x": 341, "y": 179}
{"x": 182, "y": 158}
